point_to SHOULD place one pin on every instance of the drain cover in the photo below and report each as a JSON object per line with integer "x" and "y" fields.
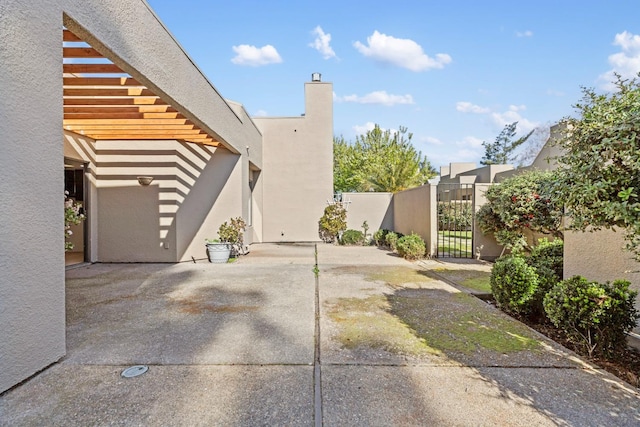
{"x": 134, "y": 371}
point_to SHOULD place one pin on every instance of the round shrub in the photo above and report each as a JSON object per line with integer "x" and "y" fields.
{"x": 547, "y": 259}
{"x": 595, "y": 316}
{"x": 352, "y": 237}
{"x": 411, "y": 246}
{"x": 514, "y": 284}
{"x": 332, "y": 222}
{"x": 380, "y": 237}
{"x": 392, "y": 240}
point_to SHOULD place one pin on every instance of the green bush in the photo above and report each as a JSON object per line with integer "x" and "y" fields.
{"x": 332, "y": 223}
{"x": 352, "y": 237}
{"x": 456, "y": 215}
{"x": 411, "y": 246}
{"x": 547, "y": 259}
{"x": 514, "y": 285}
{"x": 595, "y": 316}
{"x": 392, "y": 240}
{"x": 380, "y": 237}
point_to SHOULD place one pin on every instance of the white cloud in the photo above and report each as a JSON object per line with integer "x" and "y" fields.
{"x": 260, "y": 113}
{"x": 403, "y": 53}
{"x": 431, "y": 140}
{"x": 513, "y": 115}
{"x": 378, "y": 97}
{"x": 625, "y": 63}
{"x": 255, "y": 56}
{"x": 470, "y": 141}
{"x": 527, "y": 33}
{"x": 467, "y": 107}
{"x": 322, "y": 43}
{"x": 360, "y": 130}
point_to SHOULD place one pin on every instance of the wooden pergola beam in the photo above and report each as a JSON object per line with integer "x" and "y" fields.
{"x": 101, "y": 109}
{"x": 91, "y": 69}
{"x": 114, "y": 101}
{"x": 100, "y": 81}
{"x": 107, "y": 91}
{"x": 80, "y": 52}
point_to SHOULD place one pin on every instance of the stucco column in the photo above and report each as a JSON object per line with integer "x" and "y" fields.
{"x": 32, "y": 311}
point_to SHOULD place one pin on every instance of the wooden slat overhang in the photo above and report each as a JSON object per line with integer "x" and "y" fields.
{"x": 103, "y": 102}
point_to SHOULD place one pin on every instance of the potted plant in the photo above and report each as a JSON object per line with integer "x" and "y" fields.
{"x": 230, "y": 242}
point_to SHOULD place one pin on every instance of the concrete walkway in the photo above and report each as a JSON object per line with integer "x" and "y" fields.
{"x": 375, "y": 341}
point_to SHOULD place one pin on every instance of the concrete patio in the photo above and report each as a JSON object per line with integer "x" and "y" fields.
{"x": 375, "y": 340}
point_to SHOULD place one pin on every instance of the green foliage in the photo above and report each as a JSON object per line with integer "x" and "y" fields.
{"x": 352, "y": 237}
{"x": 600, "y": 164}
{"x": 411, "y": 247}
{"x": 524, "y": 201}
{"x": 380, "y": 237}
{"x": 596, "y": 316}
{"x": 514, "y": 285}
{"x": 332, "y": 222}
{"x": 392, "y": 240}
{"x": 379, "y": 161}
{"x": 500, "y": 152}
{"x": 233, "y": 233}
{"x": 547, "y": 259}
{"x": 365, "y": 232}
{"x": 72, "y": 216}
{"x": 456, "y": 215}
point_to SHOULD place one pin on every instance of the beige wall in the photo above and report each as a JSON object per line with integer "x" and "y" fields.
{"x": 413, "y": 213}
{"x": 32, "y": 311}
{"x": 297, "y": 177}
{"x": 490, "y": 248}
{"x": 375, "y": 208}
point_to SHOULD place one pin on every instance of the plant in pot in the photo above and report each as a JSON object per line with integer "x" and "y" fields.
{"x": 230, "y": 242}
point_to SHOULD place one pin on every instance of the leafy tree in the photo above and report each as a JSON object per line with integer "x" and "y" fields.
{"x": 500, "y": 151}
{"x": 600, "y": 163}
{"x": 524, "y": 201}
{"x": 379, "y": 161}
{"x": 332, "y": 222}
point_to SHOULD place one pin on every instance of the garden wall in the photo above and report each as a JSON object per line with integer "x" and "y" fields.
{"x": 413, "y": 213}
{"x": 375, "y": 208}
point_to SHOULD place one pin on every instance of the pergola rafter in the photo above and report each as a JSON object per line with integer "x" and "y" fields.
{"x": 102, "y": 101}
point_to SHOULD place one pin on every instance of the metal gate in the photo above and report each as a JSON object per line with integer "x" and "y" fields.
{"x": 455, "y": 220}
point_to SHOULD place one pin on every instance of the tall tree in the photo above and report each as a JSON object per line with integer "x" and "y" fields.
{"x": 600, "y": 164}
{"x": 501, "y": 151}
{"x": 379, "y": 161}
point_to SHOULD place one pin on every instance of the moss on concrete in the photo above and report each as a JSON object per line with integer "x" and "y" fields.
{"x": 455, "y": 322}
{"x": 367, "y": 323}
{"x": 471, "y": 279}
{"x": 397, "y": 276}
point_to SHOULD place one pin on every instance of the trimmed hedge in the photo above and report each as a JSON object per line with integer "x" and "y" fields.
{"x": 411, "y": 247}
{"x": 352, "y": 237}
{"x": 514, "y": 285}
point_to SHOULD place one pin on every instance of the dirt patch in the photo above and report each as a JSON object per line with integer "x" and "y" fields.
{"x": 198, "y": 306}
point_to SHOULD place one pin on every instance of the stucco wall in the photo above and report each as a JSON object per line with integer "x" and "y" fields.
{"x": 32, "y": 313}
{"x": 297, "y": 177}
{"x": 600, "y": 256}
{"x": 412, "y": 213}
{"x": 375, "y": 208}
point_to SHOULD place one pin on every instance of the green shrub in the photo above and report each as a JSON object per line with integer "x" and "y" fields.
{"x": 332, "y": 223}
{"x": 514, "y": 285}
{"x": 380, "y": 237}
{"x": 411, "y": 246}
{"x": 392, "y": 240}
{"x": 547, "y": 259}
{"x": 595, "y": 316}
{"x": 352, "y": 237}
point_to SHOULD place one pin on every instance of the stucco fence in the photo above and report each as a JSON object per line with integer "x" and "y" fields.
{"x": 412, "y": 211}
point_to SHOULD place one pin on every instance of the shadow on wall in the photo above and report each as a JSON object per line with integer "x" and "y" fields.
{"x": 158, "y": 222}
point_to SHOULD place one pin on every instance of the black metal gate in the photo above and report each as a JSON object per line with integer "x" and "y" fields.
{"x": 455, "y": 220}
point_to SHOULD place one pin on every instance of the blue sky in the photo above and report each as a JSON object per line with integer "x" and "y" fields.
{"x": 452, "y": 72}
